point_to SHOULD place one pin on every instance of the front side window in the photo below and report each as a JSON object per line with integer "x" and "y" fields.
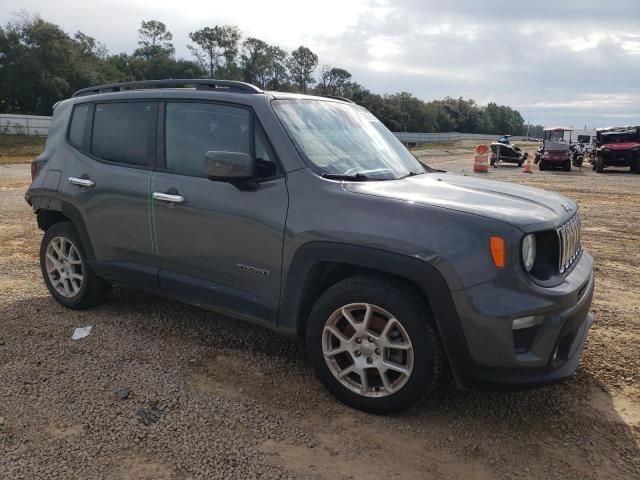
{"x": 345, "y": 139}
{"x": 124, "y": 132}
{"x": 193, "y": 129}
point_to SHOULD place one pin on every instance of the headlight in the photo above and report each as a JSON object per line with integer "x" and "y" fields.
{"x": 529, "y": 251}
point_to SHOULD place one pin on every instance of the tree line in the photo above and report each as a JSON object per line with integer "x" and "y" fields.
{"x": 41, "y": 64}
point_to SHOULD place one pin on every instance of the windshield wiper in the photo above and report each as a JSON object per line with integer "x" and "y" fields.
{"x": 357, "y": 177}
{"x": 411, "y": 174}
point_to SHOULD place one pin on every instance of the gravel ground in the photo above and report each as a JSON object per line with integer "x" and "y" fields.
{"x": 161, "y": 390}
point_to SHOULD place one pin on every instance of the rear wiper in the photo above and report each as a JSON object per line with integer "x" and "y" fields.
{"x": 358, "y": 177}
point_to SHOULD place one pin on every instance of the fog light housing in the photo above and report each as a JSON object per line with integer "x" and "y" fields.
{"x": 525, "y": 330}
{"x": 526, "y": 322}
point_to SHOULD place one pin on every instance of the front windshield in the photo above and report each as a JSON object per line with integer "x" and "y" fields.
{"x": 556, "y": 135}
{"x": 345, "y": 139}
{"x": 619, "y": 138}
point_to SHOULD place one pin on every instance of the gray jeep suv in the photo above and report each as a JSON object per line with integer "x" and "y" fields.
{"x": 306, "y": 215}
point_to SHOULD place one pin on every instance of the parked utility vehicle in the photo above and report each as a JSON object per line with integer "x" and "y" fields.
{"x": 306, "y": 215}
{"x": 503, "y": 151}
{"x": 555, "y": 151}
{"x": 617, "y": 147}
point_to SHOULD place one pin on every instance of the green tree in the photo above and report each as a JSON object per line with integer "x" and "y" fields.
{"x": 40, "y": 64}
{"x": 154, "y": 40}
{"x": 333, "y": 81}
{"x": 216, "y": 50}
{"x": 302, "y": 64}
{"x": 277, "y": 73}
{"x": 154, "y": 45}
{"x": 254, "y": 61}
{"x": 89, "y": 46}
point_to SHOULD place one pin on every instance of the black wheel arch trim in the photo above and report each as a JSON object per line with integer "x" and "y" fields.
{"x": 53, "y": 202}
{"x": 426, "y": 276}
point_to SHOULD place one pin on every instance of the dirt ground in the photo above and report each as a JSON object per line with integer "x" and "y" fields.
{"x": 164, "y": 390}
{"x": 19, "y": 148}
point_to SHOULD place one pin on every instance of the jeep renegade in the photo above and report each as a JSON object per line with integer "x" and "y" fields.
{"x": 306, "y": 215}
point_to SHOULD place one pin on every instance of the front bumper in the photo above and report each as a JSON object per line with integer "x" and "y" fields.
{"x": 488, "y": 357}
{"x": 620, "y": 159}
{"x": 555, "y": 159}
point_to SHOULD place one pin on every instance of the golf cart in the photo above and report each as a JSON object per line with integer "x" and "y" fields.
{"x": 503, "y": 151}
{"x": 555, "y": 148}
{"x": 617, "y": 147}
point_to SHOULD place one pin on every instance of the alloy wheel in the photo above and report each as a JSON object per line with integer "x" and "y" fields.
{"x": 367, "y": 350}
{"x": 64, "y": 267}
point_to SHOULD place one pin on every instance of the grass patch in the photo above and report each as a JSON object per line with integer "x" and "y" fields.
{"x": 20, "y": 148}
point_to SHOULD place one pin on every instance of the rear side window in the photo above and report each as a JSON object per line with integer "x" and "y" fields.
{"x": 124, "y": 132}
{"x": 80, "y": 126}
{"x": 193, "y": 129}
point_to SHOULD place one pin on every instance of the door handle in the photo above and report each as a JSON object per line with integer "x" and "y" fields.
{"x": 82, "y": 182}
{"x": 169, "y": 198}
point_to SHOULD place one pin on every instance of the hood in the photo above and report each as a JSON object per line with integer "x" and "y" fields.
{"x": 620, "y": 146}
{"x": 524, "y": 207}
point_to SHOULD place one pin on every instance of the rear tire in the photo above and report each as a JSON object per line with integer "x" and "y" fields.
{"x": 541, "y": 165}
{"x": 351, "y": 318}
{"x": 567, "y": 166}
{"x": 599, "y": 166}
{"x": 66, "y": 270}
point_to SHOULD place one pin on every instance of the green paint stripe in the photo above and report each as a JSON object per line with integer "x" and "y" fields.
{"x": 152, "y": 227}
{"x": 153, "y": 221}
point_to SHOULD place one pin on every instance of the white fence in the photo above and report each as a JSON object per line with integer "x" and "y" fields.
{"x": 34, "y": 125}
{"x": 411, "y": 137}
{"x": 24, "y": 124}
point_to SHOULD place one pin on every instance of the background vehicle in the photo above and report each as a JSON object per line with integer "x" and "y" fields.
{"x": 504, "y": 151}
{"x": 538, "y": 154}
{"x": 617, "y": 147}
{"x": 210, "y": 194}
{"x": 576, "y": 154}
{"x": 555, "y": 152}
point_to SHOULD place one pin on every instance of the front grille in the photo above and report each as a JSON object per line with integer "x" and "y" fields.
{"x": 618, "y": 156}
{"x": 569, "y": 241}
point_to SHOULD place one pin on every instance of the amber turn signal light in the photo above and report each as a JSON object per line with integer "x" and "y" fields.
{"x": 498, "y": 251}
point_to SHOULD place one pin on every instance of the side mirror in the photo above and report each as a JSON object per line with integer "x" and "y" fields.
{"x": 229, "y": 166}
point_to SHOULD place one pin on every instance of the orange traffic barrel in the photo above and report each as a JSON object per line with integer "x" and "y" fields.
{"x": 527, "y": 166}
{"x": 481, "y": 160}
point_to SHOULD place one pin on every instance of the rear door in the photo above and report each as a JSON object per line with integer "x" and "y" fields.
{"x": 216, "y": 243}
{"x": 113, "y": 146}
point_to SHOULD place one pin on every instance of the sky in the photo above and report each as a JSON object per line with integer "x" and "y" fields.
{"x": 574, "y": 63}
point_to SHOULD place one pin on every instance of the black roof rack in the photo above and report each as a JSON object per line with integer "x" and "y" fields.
{"x": 198, "y": 83}
{"x": 336, "y": 97}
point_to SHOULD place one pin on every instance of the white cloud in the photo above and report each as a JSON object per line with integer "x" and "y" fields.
{"x": 570, "y": 62}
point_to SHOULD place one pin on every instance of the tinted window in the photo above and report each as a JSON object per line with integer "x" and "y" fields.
{"x": 123, "y": 132}
{"x": 79, "y": 125}
{"x": 193, "y": 129}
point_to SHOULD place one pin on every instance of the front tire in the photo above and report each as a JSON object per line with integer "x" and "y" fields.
{"x": 66, "y": 271}
{"x": 567, "y": 166}
{"x": 599, "y": 166}
{"x": 373, "y": 345}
